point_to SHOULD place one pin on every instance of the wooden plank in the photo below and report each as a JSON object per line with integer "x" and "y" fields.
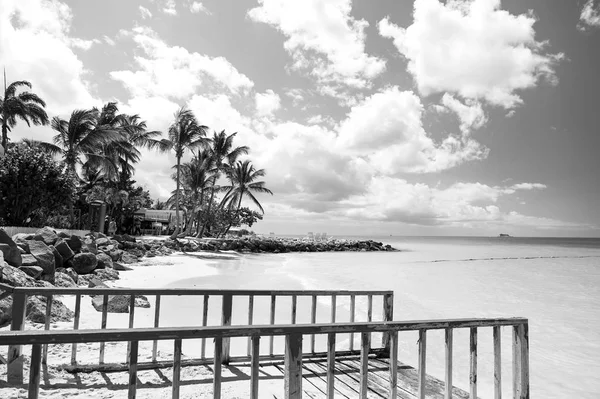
{"x": 343, "y": 386}
{"x": 177, "y": 368}
{"x": 133, "y": 358}
{"x": 313, "y": 320}
{"x": 226, "y": 321}
{"x": 388, "y": 315}
{"x": 34, "y": 372}
{"x": 167, "y": 333}
{"x": 333, "y": 307}
{"x": 103, "y": 326}
{"x": 272, "y": 321}
{"x": 448, "y": 340}
{"x": 250, "y": 320}
{"x": 497, "y": 363}
{"x": 47, "y": 325}
{"x": 156, "y": 324}
{"x": 204, "y": 322}
{"x": 524, "y": 359}
{"x": 351, "y": 368}
{"x": 254, "y": 364}
{"x": 131, "y": 319}
{"x": 15, "y": 356}
{"x": 352, "y": 313}
{"x": 364, "y": 364}
{"x": 369, "y": 308}
{"x": 516, "y": 368}
{"x": 422, "y": 363}
{"x": 294, "y": 306}
{"x": 473, "y": 363}
{"x": 330, "y": 365}
{"x": 293, "y": 367}
{"x": 217, "y": 368}
{"x": 76, "y": 327}
{"x": 393, "y": 394}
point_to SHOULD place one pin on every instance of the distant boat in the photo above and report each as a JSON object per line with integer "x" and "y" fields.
{"x": 503, "y": 235}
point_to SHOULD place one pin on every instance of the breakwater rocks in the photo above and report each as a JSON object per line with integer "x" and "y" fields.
{"x": 276, "y": 245}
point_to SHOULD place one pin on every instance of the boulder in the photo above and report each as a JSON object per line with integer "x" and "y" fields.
{"x": 72, "y": 273}
{"x": 64, "y": 280}
{"x": 47, "y": 235}
{"x": 45, "y": 258}
{"x": 36, "y": 310}
{"x": 116, "y": 303}
{"x": 141, "y": 302}
{"x": 128, "y": 258}
{"x": 64, "y": 250}
{"x": 102, "y": 241}
{"x": 127, "y": 237}
{"x": 106, "y": 274}
{"x": 11, "y": 252}
{"x": 115, "y": 255}
{"x": 16, "y": 278}
{"x": 84, "y": 263}
{"x": 28, "y": 260}
{"x": 22, "y": 237}
{"x": 90, "y": 247}
{"x": 2, "y": 262}
{"x": 33, "y": 271}
{"x": 58, "y": 259}
{"x": 21, "y": 243}
{"x": 120, "y": 267}
{"x": 63, "y": 234}
{"x": 74, "y": 242}
{"x": 104, "y": 261}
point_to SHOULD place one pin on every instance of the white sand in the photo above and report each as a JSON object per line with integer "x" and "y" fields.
{"x": 196, "y": 381}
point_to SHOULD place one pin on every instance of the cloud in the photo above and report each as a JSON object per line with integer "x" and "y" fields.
{"x": 267, "y": 102}
{"x": 387, "y": 129}
{"x": 174, "y": 72}
{"x": 528, "y": 186}
{"x": 324, "y": 41}
{"x": 36, "y": 45}
{"x": 472, "y": 48}
{"x": 590, "y": 16}
{"x": 470, "y": 114}
{"x": 166, "y": 6}
{"x": 108, "y": 40}
{"x": 145, "y": 13}
{"x": 197, "y": 7}
{"x": 83, "y": 44}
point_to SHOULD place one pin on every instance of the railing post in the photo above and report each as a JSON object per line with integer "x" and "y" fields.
{"x": 293, "y": 366}
{"x": 524, "y": 359}
{"x": 388, "y": 315}
{"x": 34, "y": 371}
{"x": 516, "y": 363}
{"x": 15, "y": 357}
{"x": 226, "y": 321}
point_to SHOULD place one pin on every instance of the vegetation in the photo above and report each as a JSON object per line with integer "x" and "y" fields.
{"x": 97, "y": 150}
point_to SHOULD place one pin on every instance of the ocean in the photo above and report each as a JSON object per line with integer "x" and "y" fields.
{"x": 554, "y": 282}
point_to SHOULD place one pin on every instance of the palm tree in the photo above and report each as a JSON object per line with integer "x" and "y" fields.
{"x": 25, "y": 106}
{"x": 196, "y": 179}
{"x": 243, "y": 178}
{"x": 184, "y": 134}
{"x": 223, "y": 155}
{"x": 159, "y": 205}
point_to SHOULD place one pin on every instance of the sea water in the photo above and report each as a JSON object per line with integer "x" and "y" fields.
{"x": 554, "y": 282}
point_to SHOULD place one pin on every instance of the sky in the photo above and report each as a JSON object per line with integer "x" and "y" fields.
{"x": 379, "y": 117}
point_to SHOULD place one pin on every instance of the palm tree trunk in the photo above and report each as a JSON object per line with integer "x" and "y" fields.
{"x": 212, "y": 195}
{"x": 176, "y": 232}
{"x": 236, "y": 211}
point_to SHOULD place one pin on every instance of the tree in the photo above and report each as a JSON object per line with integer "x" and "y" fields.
{"x": 26, "y": 106}
{"x": 31, "y": 182}
{"x": 184, "y": 134}
{"x": 223, "y": 156}
{"x": 243, "y": 178}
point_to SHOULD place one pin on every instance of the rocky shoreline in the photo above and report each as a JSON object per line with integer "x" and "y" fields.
{"x": 50, "y": 258}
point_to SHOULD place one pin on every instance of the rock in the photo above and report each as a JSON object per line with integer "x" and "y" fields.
{"x": 74, "y": 242}
{"x": 45, "y": 258}
{"x": 127, "y": 237}
{"x": 91, "y": 247}
{"x": 28, "y": 260}
{"x": 102, "y": 241}
{"x": 64, "y": 280}
{"x": 63, "y": 234}
{"x": 128, "y": 258}
{"x": 120, "y": 267}
{"x": 22, "y": 237}
{"x": 15, "y": 277}
{"x": 22, "y": 243}
{"x": 5, "y": 311}
{"x": 141, "y": 302}
{"x": 11, "y": 252}
{"x": 95, "y": 282}
{"x": 115, "y": 255}
{"x": 58, "y": 259}
{"x": 116, "y": 303}
{"x": 106, "y": 274}
{"x": 33, "y": 271}
{"x": 47, "y": 235}
{"x": 64, "y": 250}
{"x": 36, "y": 310}
{"x": 84, "y": 263}
{"x": 104, "y": 261}
{"x": 72, "y": 273}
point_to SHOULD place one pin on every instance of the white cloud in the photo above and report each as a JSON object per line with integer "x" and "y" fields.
{"x": 323, "y": 40}
{"x": 197, "y": 7}
{"x": 175, "y": 72}
{"x": 108, "y": 40}
{"x": 472, "y": 48}
{"x": 590, "y": 16}
{"x": 167, "y": 6}
{"x": 35, "y": 45}
{"x": 145, "y": 13}
{"x": 387, "y": 129}
{"x": 470, "y": 114}
{"x": 528, "y": 186}
{"x": 267, "y": 102}
{"x": 510, "y": 113}
{"x": 83, "y": 44}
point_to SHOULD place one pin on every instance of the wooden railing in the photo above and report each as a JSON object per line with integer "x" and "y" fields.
{"x": 294, "y": 335}
{"x": 226, "y": 297}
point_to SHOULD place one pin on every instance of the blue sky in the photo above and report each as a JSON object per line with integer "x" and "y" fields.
{"x": 385, "y": 117}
